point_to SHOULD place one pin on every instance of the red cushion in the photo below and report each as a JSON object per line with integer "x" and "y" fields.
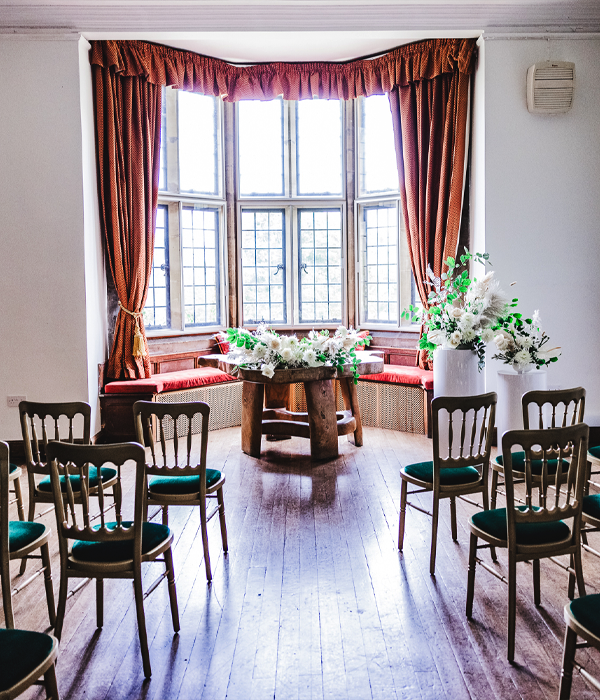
{"x": 170, "y": 381}
{"x": 364, "y": 334}
{"x": 222, "y": 343}
{"x": 400, "y": 374}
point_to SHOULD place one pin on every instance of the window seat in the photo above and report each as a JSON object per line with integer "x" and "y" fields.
{"x": 170, "y": 381}
{"x": 400, "y": 374}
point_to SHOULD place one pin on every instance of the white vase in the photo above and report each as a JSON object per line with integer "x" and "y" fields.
{"x": 511, "y": 386}
{"x": 456, "y": 373}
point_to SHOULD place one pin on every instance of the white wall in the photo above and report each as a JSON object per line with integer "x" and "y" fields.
{"x": 43, "y": 258}
{"x": 542, "y": 201}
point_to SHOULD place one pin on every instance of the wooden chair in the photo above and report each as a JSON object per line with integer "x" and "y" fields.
{"x": 113, "y": 549}
{"x": 582, "y": 616}
{"x": 26, "y": 656}
{"x": 14, "y": 478}
{"x": 547, "y": 402}
{"x": 18, "y": 540}
{"x": 529, "y": 532}
{"x": 591, "y": 503}
{"x": 459, "y": 474}
{"x": 177, "y": 480}
{"x": 40, "y": 422}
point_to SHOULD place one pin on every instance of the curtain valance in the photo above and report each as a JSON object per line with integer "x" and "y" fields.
{"x": 162, "y": 65}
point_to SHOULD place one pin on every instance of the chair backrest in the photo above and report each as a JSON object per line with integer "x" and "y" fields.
{"x": 41, "y": 422}
{"x": 181, "y": 456}
{"x": 470, "y": 425}
{"x": 565, "y": 498}
{"x": 4, "y": 468}
{"x": 573, "y": 407}
{"x": 74, "y": 518}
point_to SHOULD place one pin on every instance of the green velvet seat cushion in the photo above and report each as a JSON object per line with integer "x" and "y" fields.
{"x": 586, "y": 611}
{"x": 21, "y": 652}
{"x": 591, "y": 506}
{"x": 448, "y": 477}
{"x": 21, "y": 534}
{"x": 12, "y": 467}
{"x": 107, "y": 474}
{"x": 594, "y": 451}
{"x": 173, "y": 485}
{"x": 518, "y": 464}
{"x": 494, "y": 523}
{"x": 121, "y": 550}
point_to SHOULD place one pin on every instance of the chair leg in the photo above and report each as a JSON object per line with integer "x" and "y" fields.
{"x": 471, "y": 575}
{"x": 494, "y": 489}
{"x": 579, "y": 572}
{"x": 19, "y": 497}
{"x": 453, "y": 518}
{"x": 51, "y": 684}
{"x": 62, "y": 602}
{"x": 566, "y": 674}
{"x": 536, "y": 581}
{"x": 9, "y": 620}
{"x": 172, "y": 589}
{"x": 512, "y": 605}
{"x": 165, "y": 515}
{"x": 30, "y": 518}
{"x": 45, "y": 552}
{"x": 99, "y": 602}
{"x": 403, "y": 494}
{"x": 141, "y": 620}
{"x": 434, "y": 530}
{"x": 203, "y": 526}
{"x": 572, "y": 578}
{"x": 222, "y": 522}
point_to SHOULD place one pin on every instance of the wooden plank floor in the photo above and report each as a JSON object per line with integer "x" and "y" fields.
{"x": 314, "y": 600}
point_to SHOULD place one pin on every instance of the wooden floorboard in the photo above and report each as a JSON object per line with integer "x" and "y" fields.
{"x": 314, "y": 600}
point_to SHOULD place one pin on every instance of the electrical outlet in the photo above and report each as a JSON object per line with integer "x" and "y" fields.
{"x": 14, "y": 401}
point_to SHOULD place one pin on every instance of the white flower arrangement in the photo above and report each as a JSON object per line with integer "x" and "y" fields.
{"x": 266, "y": 350}
{"x": 520, "y": 342}
{"x": 462, "y": 311}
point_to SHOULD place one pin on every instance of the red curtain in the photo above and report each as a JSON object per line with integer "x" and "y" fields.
{"x": 430, "y": 118}
{"x": 128, "y": 110}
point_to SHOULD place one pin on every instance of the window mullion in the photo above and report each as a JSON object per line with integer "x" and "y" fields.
{"x": 172, "y": 141}
{"x": 291, "y": 152}
{"x": 293, "y": 263}
{"x": 175, "y": 276}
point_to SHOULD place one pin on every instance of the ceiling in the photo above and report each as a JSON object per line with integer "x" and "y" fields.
{"x": 295, "y": 30}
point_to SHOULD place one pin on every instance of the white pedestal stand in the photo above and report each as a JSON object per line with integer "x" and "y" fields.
{"x": 455, "y": 373}
{"x": 511, "y": 387}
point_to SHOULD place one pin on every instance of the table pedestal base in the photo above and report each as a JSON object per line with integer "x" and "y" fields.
{"x": 321, "y": 424}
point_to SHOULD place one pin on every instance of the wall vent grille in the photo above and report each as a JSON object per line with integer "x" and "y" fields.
{"x": 550, "y": 87}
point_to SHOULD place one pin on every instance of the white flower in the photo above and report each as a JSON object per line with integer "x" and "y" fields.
{"x": 310, "y": 357}
{"x": 348, "y": 342}
{"x": 522, "y": 358}
{"x": 549, "y": 354}
{"x": 469, "y": 335}
{"x": 503, "y": 341}
{"x": 454, "y": 339}
{"x": 436, "y": 336}
{"x": 287, "y": 354}
{"x": 455, "y": 312}
{"x": 468, "y": 320}
{"x": 487, "y": 335}
{"x": 268, "y": 370}
{"x": 342, "y": 332}
{"x": 259, "y": 351}
{"x": 273, "y": 341}
{"x": 536, "y": 320}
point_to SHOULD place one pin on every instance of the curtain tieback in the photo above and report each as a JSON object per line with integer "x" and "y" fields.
{"x": 139, "y": 349}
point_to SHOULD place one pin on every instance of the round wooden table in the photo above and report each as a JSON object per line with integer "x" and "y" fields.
{"x": 265, "y": 404}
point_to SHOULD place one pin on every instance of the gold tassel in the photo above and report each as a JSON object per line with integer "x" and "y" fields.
{"x": 139, "y": 348}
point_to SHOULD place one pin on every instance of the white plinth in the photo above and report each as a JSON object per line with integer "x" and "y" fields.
{"x": 455, "y": 373}
{"x": 511, "y": 387}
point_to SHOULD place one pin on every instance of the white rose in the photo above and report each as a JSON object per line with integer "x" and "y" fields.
{"x": 454, "y": 339}
{"x": 502, "y": 342}
{"x": 342, "y": 332}
{"x": 310, "y": 357}
{"x": 268, "y": 370}
{"x": 487, "y": 335}
{"x": 287, "y": 354}
{"x": 348, "y": 342}
{"x": 455, "y": 312}
{"x": 273, "y": 341}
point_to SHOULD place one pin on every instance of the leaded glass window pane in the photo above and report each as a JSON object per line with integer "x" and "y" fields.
{"x": 320, "y": 261}
{"x": 260, "y": 129}
{"x": 380, "y": 258}
{"x": 319, "y": 147}
{"x": 378, "y": 171}
{"x": 157, "y": 308}
{"x": 263, "y": 266}
{"x": 198, "y": 143}
{"x": 200, "y": 254}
